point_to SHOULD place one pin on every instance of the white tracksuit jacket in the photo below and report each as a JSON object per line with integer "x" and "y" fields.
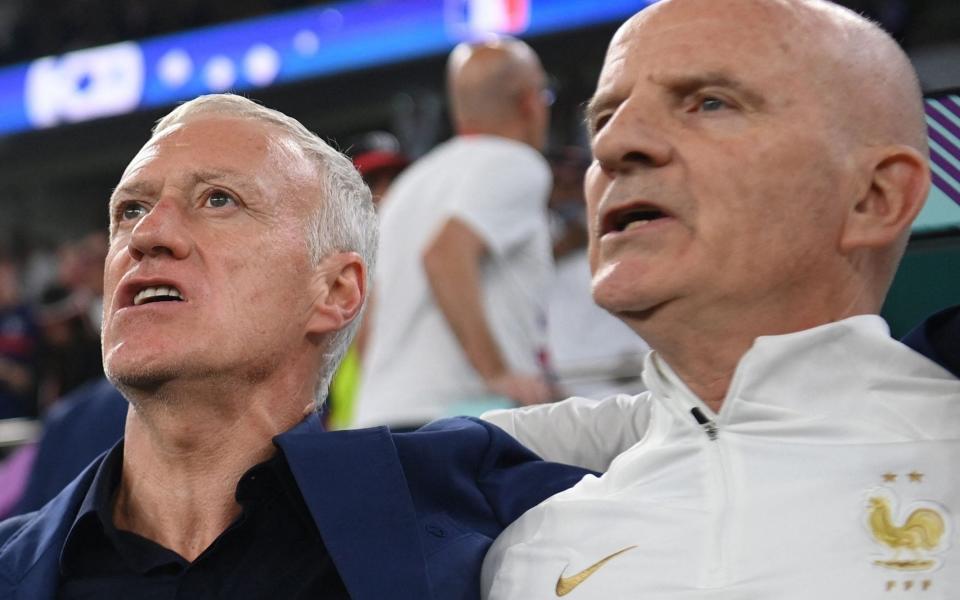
{"x": 831, "y": 472}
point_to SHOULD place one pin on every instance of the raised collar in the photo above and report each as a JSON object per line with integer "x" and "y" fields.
{"x": 846, "y": 380}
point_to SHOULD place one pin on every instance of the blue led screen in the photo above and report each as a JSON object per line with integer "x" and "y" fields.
{"x": 128, "y": 76}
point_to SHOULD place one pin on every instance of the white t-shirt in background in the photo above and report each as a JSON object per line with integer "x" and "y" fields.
{"x": 415, "y": 370}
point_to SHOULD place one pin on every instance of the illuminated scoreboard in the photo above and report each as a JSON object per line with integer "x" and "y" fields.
{"x": 282, "y": 48}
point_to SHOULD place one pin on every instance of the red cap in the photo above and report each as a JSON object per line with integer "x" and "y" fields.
{"x": 375, "y": 160}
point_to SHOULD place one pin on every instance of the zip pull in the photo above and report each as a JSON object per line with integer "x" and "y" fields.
{"x": 709, "y": 426}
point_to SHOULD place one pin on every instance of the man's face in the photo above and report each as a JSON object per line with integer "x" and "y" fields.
{"x": 209, "y": 220}
{"x": 716, "y": 176}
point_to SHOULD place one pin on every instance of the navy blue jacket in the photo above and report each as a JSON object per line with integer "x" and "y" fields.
{"x": 938, "y": 338}
{"x": 403, "y": 516}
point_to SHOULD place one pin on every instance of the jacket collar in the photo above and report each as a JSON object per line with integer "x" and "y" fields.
{"x": 847, "y": 380}
{"x": 354, "y": 486}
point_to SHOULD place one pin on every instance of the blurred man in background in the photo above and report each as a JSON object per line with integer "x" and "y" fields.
{"x": 70, "y": 311}
{"x": 380, "y": 160}
{"x": 592, "y": 352}
{"x": 464, "y": 261}
{"x": 747, "y": 212}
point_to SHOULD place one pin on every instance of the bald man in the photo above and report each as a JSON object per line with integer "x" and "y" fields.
{"x": 757, "y": 165}
{"x": 464, "y": 258}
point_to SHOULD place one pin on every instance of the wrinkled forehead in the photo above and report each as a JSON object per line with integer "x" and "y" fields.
{"x": 721, "y": 35}
{"x": 229, "y": 143}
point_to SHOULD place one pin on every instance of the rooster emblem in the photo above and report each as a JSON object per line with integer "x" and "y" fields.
{"x": 920, "y": 533}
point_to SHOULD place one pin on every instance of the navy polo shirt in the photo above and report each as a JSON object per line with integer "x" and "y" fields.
{"x": 272, "y": 550}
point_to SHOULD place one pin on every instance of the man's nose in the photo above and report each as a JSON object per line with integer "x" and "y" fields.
{"x": 162, "y": 231}
{"x": 631, "y": 139}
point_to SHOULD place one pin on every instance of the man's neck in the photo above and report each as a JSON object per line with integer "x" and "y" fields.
{"x": 510, "y": 131}
{"x": 705, "y": 352}
{"x": 182, "y": 462}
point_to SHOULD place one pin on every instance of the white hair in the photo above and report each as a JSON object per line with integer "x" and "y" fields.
{"x": 343, "y": 219}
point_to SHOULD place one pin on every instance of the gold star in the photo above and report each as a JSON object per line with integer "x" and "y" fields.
{"x": 915, "y": 476}
{"x": 889, "y": 477}
{"x": 908, "y": 584}
{"x": 926, "y": 584}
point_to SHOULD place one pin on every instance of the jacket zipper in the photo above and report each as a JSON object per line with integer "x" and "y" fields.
{"x": 715, "y": 574}
{"x": 708, "y": 425}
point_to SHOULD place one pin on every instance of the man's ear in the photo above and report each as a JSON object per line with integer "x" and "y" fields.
{"x": 339, "y": 289}
{"x": 529, "y": 102}
{"x": 891, "y": 201}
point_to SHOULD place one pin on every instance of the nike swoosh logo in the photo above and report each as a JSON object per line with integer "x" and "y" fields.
{"x": 565, "y": 585}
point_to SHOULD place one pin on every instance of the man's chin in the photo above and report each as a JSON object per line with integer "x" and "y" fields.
{"x": 135, "y": 381}
{"x": 623, "y": 302}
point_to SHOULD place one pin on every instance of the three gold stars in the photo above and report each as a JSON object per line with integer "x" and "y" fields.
{"x": 908, "y": 585}
{"x": 913, "y": 476}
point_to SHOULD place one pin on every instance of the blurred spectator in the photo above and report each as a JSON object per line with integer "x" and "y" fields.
{"x": 464, "y": 260}
{"x": 593, "y": 354}
{"x": 70, "y": 318}
{"x": 378, "y": 157}
{"x": 568, "y": 215}
{"x": 19, "y": 341}
{"x": 71, "y": 348}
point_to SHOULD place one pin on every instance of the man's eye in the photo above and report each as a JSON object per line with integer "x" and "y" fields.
{"x": 599, "y": 122}
{"x": 131, "y": 211}
{"x": 219, "y": 199}
{"x": 711, "y": 104}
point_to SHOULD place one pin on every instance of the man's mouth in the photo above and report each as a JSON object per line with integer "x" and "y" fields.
{"x": 160, "y": 293}
{"x": 631, "y": 217}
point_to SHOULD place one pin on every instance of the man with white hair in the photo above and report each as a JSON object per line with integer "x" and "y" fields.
{"x": 239, "y": 250}
{"x": 757, "y": 166}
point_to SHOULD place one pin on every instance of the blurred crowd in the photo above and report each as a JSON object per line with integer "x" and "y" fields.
{"x": 50, "y": 312}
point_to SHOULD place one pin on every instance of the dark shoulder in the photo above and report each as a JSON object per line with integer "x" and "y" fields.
{"x": 10, "y": 527}
{"x": 456, "y": 435}
{"x": 463, "y": 459}
{"x": 460, "y": 425}
{"x": 938, "y": 338}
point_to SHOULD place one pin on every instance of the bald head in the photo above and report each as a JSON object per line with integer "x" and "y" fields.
{"x": 863, "y": 77}
{"x": 866, "y": 77}
{"x": 487, "y": 82}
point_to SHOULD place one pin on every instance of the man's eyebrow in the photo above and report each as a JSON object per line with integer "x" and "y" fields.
{"x": 679, "y": 86}
{"x": 684, "y": 85}
{"x": 213, "y": 175}
{"x": 134, "y": 188}
{"x": 238, "y": 179}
